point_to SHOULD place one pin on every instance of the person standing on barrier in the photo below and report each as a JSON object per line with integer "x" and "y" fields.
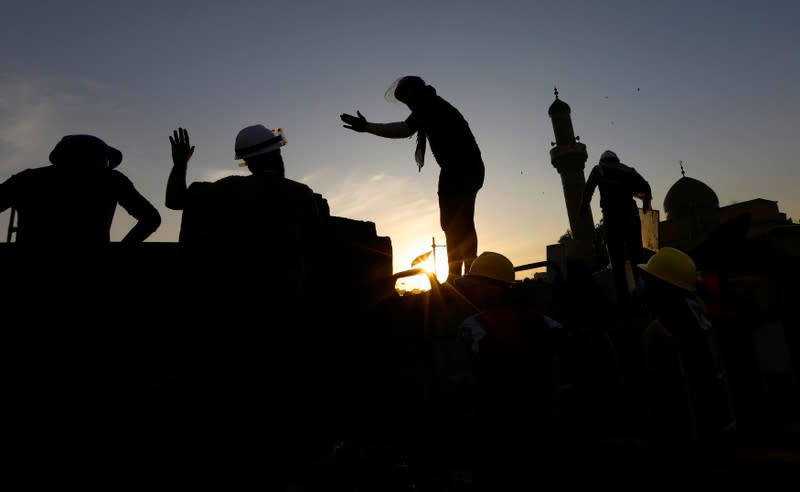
{"x": 453, "y": 145}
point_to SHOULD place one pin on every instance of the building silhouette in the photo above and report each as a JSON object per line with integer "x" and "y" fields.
{"x": 568, "y": 156}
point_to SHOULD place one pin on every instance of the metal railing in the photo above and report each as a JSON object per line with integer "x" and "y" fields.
{"x": 12, "y": 226}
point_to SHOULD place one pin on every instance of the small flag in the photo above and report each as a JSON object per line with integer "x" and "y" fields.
{"x": 419, "y": 259}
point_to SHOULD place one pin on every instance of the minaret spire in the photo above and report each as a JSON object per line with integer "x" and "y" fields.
{"x": 569, "y": 156}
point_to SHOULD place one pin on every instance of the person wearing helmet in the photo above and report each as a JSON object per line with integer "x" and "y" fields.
{"x": 687, "y": 409}
{"x": 256, "y": 239}
{"x": 513, "y": 347}
{"x": 264, "y": 220}
{"x": 71, "y": 203}
{"x": 456, "y": 151}
{"x": 619, "y": 184}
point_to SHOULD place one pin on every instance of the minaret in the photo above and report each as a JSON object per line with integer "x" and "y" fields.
{"x": 569, "y": 156}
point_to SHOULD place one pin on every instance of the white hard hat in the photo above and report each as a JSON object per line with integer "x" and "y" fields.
{"x": 256, "y": 140}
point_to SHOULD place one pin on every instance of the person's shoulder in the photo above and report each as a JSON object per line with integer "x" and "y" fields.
{"x": 233, "y": 178}
{"x": 33, "y": 174}
{"x": 200, "y": 187}
{"x": 35, "y": 171}
{"x": 437, "y": 99}
{"x": 221, "y": 183}
{"x": 628, "y": 169}
{"x": 297, "y": 185}
{"x": 446, "y": 107}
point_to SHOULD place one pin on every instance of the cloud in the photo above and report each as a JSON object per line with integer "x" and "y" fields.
{"x": 26, "y": 115}
{"x": 392, "y": 199}
{"x": 33, "y": 112}
{"x": 403, "y": 208}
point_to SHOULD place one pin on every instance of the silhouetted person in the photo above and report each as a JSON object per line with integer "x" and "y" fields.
{"x": 66, "y": 385}
{"x": 619, "y": 185}
{"x": 687, "y": 411}
{"x": 515, "y": 349}
{"x": 456, "y": 151}
{"x": 265, "y": 222}
{"x": 71, "y": 203}
{"x": 255, "y": 241}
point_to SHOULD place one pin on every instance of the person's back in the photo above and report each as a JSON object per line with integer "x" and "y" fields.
{"x": 267, "y": 222}
{"x": 72, "y": 202}
{"x": 264, "y": 227}
{"x": 452, "y": 143}
{"x": 255, "y": 240}
{"x": 57, "y": 206}
{"x": 618, "y": 185}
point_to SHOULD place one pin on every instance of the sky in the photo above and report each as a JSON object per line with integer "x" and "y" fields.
{"x": 714, "y": 84}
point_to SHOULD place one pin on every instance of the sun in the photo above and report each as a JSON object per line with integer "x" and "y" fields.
{"x": 429, "y": 263}
{"x": 438, "y": 268}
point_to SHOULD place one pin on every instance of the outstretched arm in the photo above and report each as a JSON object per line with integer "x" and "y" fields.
{"x": 359, "y": 123}
{"x": 182, "y": 151}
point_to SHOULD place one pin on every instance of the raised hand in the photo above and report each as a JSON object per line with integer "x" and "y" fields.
{"x": 182, "y": 151}
{"x": 355, "y": 123}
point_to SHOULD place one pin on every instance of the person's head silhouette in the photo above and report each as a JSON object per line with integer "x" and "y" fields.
{"x": 85, "y": 152}
{"x": 259, "y": 147}
{"x": 408, "y": 90}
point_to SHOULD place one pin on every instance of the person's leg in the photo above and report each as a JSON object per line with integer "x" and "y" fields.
{"x": 456, "y": 217}
{"x": 634, "y": 242}
{"x": 615, "y": 244}
{"x": 469, "y": 236}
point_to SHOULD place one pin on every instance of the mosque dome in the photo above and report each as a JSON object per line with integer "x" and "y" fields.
{"x": 687, "y": 197}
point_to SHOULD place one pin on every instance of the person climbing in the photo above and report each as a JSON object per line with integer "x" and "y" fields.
{"x": 619, "y": 184}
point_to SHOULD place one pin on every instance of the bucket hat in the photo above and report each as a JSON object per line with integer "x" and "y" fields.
{"x": 73, "y": 148}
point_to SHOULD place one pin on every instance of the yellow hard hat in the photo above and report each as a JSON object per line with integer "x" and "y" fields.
{"x": 494, "y": 266}
{"x": 674, "y": 267}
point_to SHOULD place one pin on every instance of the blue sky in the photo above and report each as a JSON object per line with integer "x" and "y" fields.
{"x": 717, "y": 88}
